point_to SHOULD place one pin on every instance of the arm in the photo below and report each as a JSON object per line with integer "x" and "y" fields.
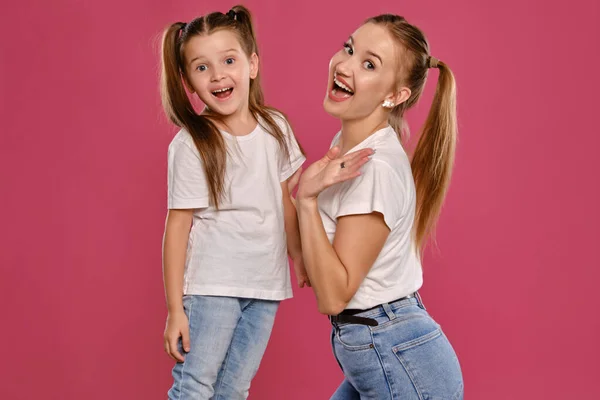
{"x": 291, "y": 223}
{"x": 292, "y": 232}
{"x": 177, "y": 231}
{"x": 336, "y": 271}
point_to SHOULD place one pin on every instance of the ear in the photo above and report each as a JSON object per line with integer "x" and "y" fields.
{"x": 401, "y": 95}
{"x": 253, "y": 66}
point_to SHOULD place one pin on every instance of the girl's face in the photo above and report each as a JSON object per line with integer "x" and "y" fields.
{"x": 363, "y": 74}
{"x": 219, "y": 72}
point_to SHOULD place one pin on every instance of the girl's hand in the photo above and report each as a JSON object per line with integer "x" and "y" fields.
{"x": 177, "y": 326}
{"x": 301, "y": 274}
{"x": 331, "y": 170}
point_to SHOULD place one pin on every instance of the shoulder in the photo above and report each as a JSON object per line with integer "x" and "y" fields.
{"x": 280, "y": 119}
{"x": 390, "y": 156}
{"x": 385, "y": 172}
{"x": 182, "y": 138}
{"x": 381, "y": 170}
{"x": 183, "y": 144}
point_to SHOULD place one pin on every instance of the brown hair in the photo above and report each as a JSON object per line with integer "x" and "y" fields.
{"x": 177, "y": 106}
{"x": 433, "y": 158}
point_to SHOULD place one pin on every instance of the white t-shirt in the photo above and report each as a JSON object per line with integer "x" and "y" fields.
{"x": 385, "y": 185}
{"x": 240, "y": 250}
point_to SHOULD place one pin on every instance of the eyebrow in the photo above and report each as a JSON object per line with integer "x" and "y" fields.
{"x": 351, "y": 40}
{"x": 222, "y": 52}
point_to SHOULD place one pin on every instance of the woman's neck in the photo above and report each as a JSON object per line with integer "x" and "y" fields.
{"x": 356, "y": 131}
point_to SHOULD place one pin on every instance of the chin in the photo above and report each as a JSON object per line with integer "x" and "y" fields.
{"x": 223, "y": 110}
{"x": 332, "y": 108}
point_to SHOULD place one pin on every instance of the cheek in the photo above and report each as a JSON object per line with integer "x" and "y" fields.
{"x": 241, "y": 73}
{"x": 372, "y": 85}
{"x": 196, "y": 82}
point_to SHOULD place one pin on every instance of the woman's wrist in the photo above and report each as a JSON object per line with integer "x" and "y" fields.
{"x": 306, "y": 203}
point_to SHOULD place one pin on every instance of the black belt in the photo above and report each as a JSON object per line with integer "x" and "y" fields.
{"x": 348, "y": 316}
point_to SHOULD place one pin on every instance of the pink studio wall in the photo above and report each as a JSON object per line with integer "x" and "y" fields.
{"x": 83, "y": 175}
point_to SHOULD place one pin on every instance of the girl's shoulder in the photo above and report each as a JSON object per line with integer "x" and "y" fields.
{"x": 280, "y": 118}
{"x": 182, "y": 144}
{"x": 182, "y": 137}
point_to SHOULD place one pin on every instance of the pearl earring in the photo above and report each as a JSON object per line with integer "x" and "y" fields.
{"x": 388, "y": 104}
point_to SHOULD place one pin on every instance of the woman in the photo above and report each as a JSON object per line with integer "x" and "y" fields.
{"x": 365, "y": 215}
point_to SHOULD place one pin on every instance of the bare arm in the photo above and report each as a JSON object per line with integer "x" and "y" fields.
{"x": 291, "y": 223}
{"x": 175, "y": 241}
{"x": 177, "y": 231}
{"x": 336, "y": 271}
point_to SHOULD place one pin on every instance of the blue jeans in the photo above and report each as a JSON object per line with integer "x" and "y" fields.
{"x": 228, "y": 337}
{"x": 407, "y": 356}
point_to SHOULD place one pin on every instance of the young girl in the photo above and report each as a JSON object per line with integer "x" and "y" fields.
{"x": 227, "y": 176}
{"x": 363, "y": 230}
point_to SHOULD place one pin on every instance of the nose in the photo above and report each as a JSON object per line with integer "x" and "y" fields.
{"x": 343, "y": 68}
{"x": 217, "y": 74}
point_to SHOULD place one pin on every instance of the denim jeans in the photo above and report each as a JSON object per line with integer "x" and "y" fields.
{"x": 407, "y": 356}
{"x": 228, "y": 337}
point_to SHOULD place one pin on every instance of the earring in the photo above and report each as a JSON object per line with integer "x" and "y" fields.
{"x": 388, "y": 104}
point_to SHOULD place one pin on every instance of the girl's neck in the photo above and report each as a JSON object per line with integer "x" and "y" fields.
{"x": 356, "y": 131}
{"x": 240, "y": 123}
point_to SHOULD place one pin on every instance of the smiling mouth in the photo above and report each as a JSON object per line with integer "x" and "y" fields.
{"x": 340, "y": 89}
{"x": 222, "y": 93}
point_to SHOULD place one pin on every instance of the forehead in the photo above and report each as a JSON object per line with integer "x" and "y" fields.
{"x": 377, "y": 39}
{"x": 213, "y": 44}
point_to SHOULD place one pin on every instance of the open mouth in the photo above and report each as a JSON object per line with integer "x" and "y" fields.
{"x": 340, "y": 89}
{"x": 222, "y": 93}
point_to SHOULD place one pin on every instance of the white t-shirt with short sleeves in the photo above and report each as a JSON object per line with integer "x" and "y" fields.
{"x": 240, "y": 250}
{"x": 386, "y": 186}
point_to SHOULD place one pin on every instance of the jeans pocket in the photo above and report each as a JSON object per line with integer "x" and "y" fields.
{"x": 354, "y": 337}
{"x": 432, "y": 365}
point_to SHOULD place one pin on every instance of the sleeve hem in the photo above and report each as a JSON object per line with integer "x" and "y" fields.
{"x": 177, "y": 204}
{"x": 292, "y": 169}
{"x": 364, "y": 210}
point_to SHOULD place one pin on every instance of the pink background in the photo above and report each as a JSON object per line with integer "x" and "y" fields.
{"x": 83, "y": 176}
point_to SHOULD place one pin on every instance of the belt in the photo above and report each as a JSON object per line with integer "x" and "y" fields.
{"x": 348, "y": 316}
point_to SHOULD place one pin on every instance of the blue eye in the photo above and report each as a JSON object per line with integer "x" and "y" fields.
{"x": 368, "y": 65}
{"x": 230, "y": 61}
{"x": 201, "y": 67}
{"x": 348, "y": 49}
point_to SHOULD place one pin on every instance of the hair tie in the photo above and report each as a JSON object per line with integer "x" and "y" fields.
{"x": 232, "y": 14}
{"x": 183, "y": 26}
{"x": 433, "y": 62}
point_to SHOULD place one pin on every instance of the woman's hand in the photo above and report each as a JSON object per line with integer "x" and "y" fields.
{"x": 331, "y": 170}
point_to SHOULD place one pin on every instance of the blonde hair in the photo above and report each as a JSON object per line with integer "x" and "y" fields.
{"x": 433, "y": 159}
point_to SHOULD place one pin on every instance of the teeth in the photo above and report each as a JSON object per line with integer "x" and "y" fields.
{"x": 221, "y": 90}
{"x": 340, "y": 84}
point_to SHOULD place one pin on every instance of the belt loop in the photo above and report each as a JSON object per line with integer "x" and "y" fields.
{"x": 420, "y": 300}
{"x": 388, "y": 311}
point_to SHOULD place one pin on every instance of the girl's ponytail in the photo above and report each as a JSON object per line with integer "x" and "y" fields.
{"x": 179, "y": 109}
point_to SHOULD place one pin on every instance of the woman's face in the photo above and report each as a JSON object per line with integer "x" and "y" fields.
{"x": 363, "y": 74}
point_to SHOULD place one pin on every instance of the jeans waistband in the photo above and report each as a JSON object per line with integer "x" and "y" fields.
{"x": 355, "y": 316}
